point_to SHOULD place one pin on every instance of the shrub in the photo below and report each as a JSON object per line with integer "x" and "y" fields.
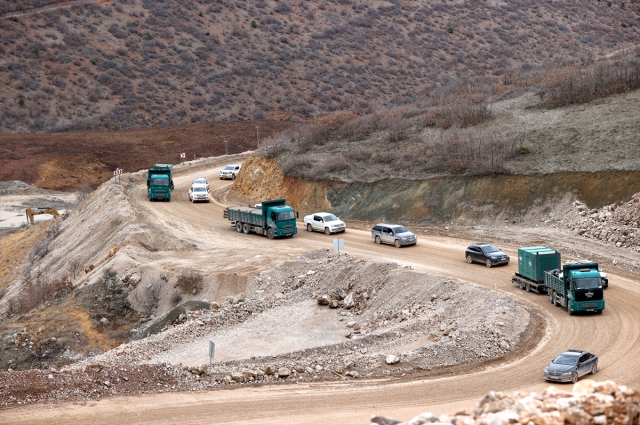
{"x": 524, "y": 150}
{"x": 337, "y": 165}
{"x": 450, "y": 30}
{"x": 21, "y": 102}
{"x": 190, "y": 281}
{"x": 254, "y": 24}
{"x": 37, "y": 290}
{"x": 358, "y": 154}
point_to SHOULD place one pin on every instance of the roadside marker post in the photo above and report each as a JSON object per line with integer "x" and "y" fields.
{"x": 116, "y": 174}
{"x": 226, "y": 147}
{"x": 338, "y": 244}
{"x": 133, "y": 193}
{"x": 212, "y": 350}
{"x": 182, "y": 156}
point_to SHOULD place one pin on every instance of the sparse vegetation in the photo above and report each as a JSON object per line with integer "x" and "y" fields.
{"x": 37, "y": 290}
{"x": 190, "y": 282}
{"x": 91, "y": 74}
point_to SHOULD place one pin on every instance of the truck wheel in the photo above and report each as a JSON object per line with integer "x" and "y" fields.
{"x": 488, "y": 263}
{"x": 327, "y": 231}
{"x": 555, "y": 299}
{"x": 528, "y": 287}
{"x": 569, "y": 308}
{"x": 238, "y": 227}
{"x": 270, "y": 233}
{"x": 378, "y": 241}
{"x": 469, "y": 259}
{"x": 397, "y": 243}
{"x": 309, "y": 227}
{"x": 521, "y": 284}
{"x": 550, "y": 296}
{"x": 245, "y": 229}
{"x": 600, "y": 311}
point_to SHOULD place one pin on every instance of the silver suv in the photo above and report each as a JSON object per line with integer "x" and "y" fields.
{"x": 393, "y": 234}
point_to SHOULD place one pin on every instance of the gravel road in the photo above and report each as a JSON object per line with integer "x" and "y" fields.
{"x": 614, "y": 336}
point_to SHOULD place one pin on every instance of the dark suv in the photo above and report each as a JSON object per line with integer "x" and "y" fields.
{"x": 486, "y": 253}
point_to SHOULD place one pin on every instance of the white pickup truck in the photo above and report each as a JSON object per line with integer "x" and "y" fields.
{"x": 324, "y": 222}
{"x": 230, "y": 172}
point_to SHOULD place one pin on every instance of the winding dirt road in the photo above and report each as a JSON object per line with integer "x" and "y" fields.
{"x": 614, "y": 336}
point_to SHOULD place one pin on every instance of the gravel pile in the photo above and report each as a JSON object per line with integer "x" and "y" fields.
{"x": 614, "y": 224}
{"x": 396, "y": 322}
{"x": 93, "y": 382}
{"x": 590, "y": 403}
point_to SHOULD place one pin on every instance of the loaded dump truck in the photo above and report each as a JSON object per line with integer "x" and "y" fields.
{"x": 532, "y": 263}
{"x": 269, "y": 218}
{"x": 577, "y": 287}
{"x": 160, "y": 182}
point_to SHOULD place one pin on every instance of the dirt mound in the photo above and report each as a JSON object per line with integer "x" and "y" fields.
{"x": 617, "y": 224}
{"x": 381, "y": 321}
{"x": 602, "y": 403}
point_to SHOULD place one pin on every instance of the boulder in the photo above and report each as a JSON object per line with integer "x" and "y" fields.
{"x": 283, "y": 372}
{"x": 391, "y": 359}
{"x": 348, "y": 301}
{"x": 113, "y": 250}
{"x": 323, "y": 300}
{"x": 270, "y": 370}
{"x": 240, "y": 298}
{"x": 214, "y": 306}
{"x": 299, "y": 369}
{"x": 334, "y": 304}
{"x": 134, "y": 279}
{"x": 89, "y": 268}
{"x": 237, "y": 376}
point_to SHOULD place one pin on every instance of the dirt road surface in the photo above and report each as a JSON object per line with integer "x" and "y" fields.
{"x": 614, "y": 336}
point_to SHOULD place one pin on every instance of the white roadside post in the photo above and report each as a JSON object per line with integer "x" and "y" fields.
{"x": 338, "y": 244}
{"x": 212, "y": 350}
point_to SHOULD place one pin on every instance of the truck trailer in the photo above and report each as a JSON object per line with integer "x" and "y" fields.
{"x": 269, "y": 218}
{"x": 160, "y": 182}
{"x": 577, "y": 287}
{"x": 532, "y": 263}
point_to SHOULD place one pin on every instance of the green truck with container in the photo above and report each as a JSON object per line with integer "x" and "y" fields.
{"x": 160, "y": 182}
{"x": 532, "y": 263}
{"x": 577, "y": 287}
{"x": 270, "y": 218}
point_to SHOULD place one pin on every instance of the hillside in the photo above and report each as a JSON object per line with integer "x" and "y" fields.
{"x": 131, "y": 63}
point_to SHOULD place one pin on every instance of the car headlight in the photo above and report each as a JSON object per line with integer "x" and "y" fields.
{"x": 567, "y": 373}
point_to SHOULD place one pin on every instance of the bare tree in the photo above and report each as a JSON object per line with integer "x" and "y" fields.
{"x": 83, "y": 192}
{"x": 75, "y": 267}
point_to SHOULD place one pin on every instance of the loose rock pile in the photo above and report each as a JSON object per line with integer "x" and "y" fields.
{"x": 590, "y": 403}
{"x": 618, "y": 225}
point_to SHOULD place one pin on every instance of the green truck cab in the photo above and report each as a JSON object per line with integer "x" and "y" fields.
{"x": 270, "y": 218}
{"x": 577, "y": 287}
{"x": 160, "y": 182}
{"x": 532, "y": 263}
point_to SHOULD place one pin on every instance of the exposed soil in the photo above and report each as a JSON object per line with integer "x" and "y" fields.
{"x": 64, "y": 161}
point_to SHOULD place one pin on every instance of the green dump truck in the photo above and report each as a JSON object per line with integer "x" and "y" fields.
{"x": 577, "y": 287}
{"x": 270, "y": 218}
{"x": 160, "y": 182}
{"x": 532, "y": 263}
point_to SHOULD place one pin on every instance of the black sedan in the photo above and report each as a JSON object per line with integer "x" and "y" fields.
{"x": 486, "y": 253}
{"x": 571, "y": 365}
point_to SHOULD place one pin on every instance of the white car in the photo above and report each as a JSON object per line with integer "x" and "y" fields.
{"x": 199, "y": 192}
{"x": 324, "y": 222}
{"x": 230, "y": 172}
{"x": 201, "y": 181}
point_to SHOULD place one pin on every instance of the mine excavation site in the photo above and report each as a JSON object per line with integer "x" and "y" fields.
{"x": 397, "y": 212}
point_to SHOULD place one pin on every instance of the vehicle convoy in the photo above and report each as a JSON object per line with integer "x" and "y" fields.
{"x": 577, "y": 287}
{"x": 230, "y": 172}
{"x": 603, "y": 276}
{"x": 273, "y": 219}
{"x": 486, "y": 253}
{"x": 160, "y": 182}
{"x": 198, "y": 192}
{"x": 532, "y": 263}
{"x": 393, "y": 234}
{"x": 324, "y": 222}
{"x": 571, "y": 365}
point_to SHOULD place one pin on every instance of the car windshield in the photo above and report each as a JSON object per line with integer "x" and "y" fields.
{"x": 330, "y": 217}
{"x": 588, "y": 283}
{"x": 490, "y": 248}
{"x": 228, "y": 167}
{"x": 568, "y": 360}
{"x": 199, "y": 189}
{"x": 159, "y": 182}
{"x": 400, "y": 229}
{"x": 287, "y": 215}
{"x": 203, "y": 181}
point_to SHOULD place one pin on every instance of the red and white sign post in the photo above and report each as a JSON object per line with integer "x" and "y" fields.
{"x": 116, "y": 174}
{"x": 182, "y": 156}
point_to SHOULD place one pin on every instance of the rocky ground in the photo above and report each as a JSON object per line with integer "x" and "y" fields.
{"x": 595, "y": 403}
{"x": 615, "y": 224}
{"x": 383, "y": 330}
